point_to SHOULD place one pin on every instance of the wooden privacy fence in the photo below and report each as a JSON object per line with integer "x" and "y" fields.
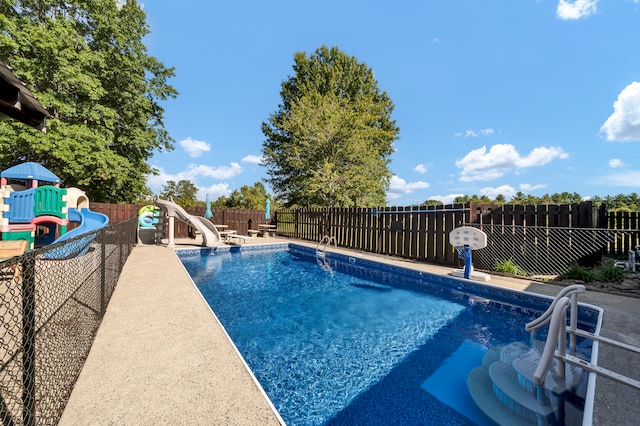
{"x": 238, "y": 219}
{"x": 622, "y": 221}
{"x": 413, "y": 232}
{"x": 422, "y": 232}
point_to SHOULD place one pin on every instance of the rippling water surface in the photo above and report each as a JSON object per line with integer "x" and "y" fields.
{"x": 334, "y": 347}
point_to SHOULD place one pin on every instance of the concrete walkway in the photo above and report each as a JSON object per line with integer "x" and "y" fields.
{"x": 161, "y": 358}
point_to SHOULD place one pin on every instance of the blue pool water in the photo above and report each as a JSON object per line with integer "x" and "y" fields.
{"x": 354, "y": 344}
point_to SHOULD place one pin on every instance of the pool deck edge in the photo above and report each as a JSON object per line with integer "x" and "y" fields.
{"x": 160, "y": 357}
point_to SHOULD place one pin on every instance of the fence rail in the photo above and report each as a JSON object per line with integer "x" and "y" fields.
{"x": 419, "y": 232}
{"x": 51, "y": 304}
{"x": 620, "y": 222}
{"x": 238, "y": 219}
{"x": 415, "y": 232}
{"x": 422, "y": 232}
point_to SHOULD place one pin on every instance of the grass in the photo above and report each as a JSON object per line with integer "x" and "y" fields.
{"x": 508, "y": 267}
{"x": 605, "y": 273}
{"x": 610, "y": 273}
{"x": 578, "y": 272}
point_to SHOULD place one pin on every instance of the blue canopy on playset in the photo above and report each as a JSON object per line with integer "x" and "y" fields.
{"x": 30, "y": 171}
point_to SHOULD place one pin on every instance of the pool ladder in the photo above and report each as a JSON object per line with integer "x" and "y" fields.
{"x": 325, "y": 242}
{"x": 321, "y": 249}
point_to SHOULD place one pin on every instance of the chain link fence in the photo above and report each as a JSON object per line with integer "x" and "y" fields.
{"x": 52, "y": 301}
{"x": 545, "y": 251}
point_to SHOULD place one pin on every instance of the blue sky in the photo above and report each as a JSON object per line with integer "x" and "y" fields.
{"x": 491, "y": 97}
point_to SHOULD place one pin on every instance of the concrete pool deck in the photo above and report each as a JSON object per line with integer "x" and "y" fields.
{"x": 161, "y": 357}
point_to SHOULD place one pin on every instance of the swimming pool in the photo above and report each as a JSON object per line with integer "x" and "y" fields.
{"x": 362, "y": 342}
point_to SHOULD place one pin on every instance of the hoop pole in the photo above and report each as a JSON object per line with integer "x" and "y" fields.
{"x": 468, "y": 264}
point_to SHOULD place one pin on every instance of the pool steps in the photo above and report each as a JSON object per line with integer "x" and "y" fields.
{"x": 527, "y": 380}
{"x": 506, "y": 392}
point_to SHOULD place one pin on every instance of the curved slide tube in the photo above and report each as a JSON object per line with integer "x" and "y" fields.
{"x": 210, "y": 234}
{"x": 89, "y": 222}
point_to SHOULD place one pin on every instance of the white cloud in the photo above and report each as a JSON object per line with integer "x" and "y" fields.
{"x": 398, "y": 187}
{"x": 506, "y": 190}
{"x": 421, "y": 168}
{"x": 155, "y": 183}
{"x": 614, "y": 163}
{"x": 525, "y": 187}
{"x": 194, "y": 148}
{"x": 222, "y": 172}
{"x": 215, "y": 191}
{"x": 623, "y": 179}
{"x": 541, "y": 156}
{"x": 624, "y": 123}
{"x": 192, "y": 173}
{"x": 480, "y": 165}
{"x": 474, "y": 134}
{"x": 568, "y": 10}
{"x": 446, "y": 199}
{"x": 254, "y": 159}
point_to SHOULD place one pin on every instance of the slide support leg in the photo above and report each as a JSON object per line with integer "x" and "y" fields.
{"x": 172, "y": 242}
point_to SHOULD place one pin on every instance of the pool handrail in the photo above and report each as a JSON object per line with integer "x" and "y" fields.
{"x": 556, "y": 343}
{"x": 325, "y": 243}
{"x": 557, "y": 333}
{"x": 571, "y": 291}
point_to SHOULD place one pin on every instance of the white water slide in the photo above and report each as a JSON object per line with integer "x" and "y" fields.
{"x": 210, "y": 234}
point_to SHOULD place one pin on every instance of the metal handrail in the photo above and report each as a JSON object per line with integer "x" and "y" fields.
{"x": 325, "y": 242}
{"x": 320, "y": 252}
{"x": 556, "y": 344}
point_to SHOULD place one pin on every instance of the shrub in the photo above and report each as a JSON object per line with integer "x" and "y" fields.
{"x": 508, "y": 267}
{"x": 610, "y": 273}
{"x": 578, "y": 272}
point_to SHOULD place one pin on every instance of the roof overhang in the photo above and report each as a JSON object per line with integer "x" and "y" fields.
{"x": 18, "y": 102}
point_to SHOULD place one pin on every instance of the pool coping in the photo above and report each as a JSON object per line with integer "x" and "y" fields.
{"x": 498, "y": 293}
{"x": 231, "y": 249}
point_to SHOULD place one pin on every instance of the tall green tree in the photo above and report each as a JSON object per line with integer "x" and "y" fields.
{"x": 330, "y": 140}
{"x": 183, "y": 192}
{"x": 254, "y": 197}
{"x": 432, "y": 202}
{"x": 88, "y": 65}
{"x": 566, "y": 198}
{"x": 248, "y": 197}
{"x": 518, "y": 198}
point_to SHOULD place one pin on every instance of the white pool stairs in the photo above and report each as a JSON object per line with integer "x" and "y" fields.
{"x": 503, "y": 389}
{"x": 518, "y": 384}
